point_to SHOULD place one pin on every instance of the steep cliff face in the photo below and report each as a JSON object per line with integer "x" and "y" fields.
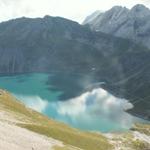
{"x": 119, "y": 21}
{"x": 57, "y": 44}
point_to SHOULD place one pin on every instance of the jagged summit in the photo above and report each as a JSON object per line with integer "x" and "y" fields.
{"x": 139, "y": 7}
{"x": 127, "y": 23}
{"x": 116, "y": 8}
{"x": 140, "y": 11}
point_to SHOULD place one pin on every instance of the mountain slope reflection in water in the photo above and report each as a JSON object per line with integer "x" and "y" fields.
{"x": 96, "y": 110}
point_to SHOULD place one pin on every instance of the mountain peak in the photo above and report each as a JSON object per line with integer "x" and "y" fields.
{"x": 139, "y": 7}
{"x": 140, "y": 11}
{"x": 117, "y": 8}
{"x": 127, "y": 23}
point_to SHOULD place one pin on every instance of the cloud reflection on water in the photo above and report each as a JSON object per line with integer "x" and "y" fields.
{"x": 93, "y": 110}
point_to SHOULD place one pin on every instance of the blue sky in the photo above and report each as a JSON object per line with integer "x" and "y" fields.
{"x": 72, "y": 9}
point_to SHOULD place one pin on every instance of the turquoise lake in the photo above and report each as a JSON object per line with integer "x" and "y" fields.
{"x": 60, "y": 98}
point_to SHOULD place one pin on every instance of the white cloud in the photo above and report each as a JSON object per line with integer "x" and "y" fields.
{"x": 72, "y": 9}
{"x": 97, "y": 104}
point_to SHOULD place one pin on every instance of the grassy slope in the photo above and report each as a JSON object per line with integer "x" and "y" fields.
{"x": 35, "y": 121}
{"x": 73, "y": 139}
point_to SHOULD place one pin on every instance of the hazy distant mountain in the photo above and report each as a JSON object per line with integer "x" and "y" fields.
{"x": 119, "y": 21}
{"x": 57, "y": 44}
{"x": 93, "y": 16}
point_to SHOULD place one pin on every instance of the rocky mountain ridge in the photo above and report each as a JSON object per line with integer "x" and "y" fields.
{"x": 122, "y": 22}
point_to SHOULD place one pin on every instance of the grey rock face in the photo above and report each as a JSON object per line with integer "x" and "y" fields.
{"x": 119, "y": 21}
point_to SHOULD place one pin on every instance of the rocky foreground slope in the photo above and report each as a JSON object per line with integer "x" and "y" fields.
{"x": 24, "y": 129}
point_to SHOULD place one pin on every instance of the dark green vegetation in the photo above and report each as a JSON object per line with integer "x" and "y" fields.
{"x": 56, "y": 44}
{"x": 34, "y": 121}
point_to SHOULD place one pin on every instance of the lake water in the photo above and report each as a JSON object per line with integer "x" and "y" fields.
{"x": 62, "y": 98}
